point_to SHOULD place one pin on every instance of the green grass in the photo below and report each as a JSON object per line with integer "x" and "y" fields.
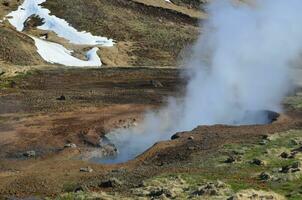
{"x": 244, "y": 175}
{"x": 241, "y": 175}
{"x": 15, "y": 81}
{"x": 294, "y": 102}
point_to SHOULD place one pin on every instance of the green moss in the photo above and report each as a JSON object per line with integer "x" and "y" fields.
{"x": 17, "y": 80}
{"x": 244, "y": 175}
{"x": 294, "y": 102}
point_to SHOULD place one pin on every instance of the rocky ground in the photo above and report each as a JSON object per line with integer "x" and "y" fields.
{"x": 51, "y": 121}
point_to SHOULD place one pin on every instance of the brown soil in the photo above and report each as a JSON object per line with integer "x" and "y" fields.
{"x": 97, "y": 101}
{"x": 17, "y": 48}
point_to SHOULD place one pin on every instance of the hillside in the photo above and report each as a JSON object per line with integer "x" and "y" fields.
{"x": 146, "y": 33}
{"x": 95, "y": 102}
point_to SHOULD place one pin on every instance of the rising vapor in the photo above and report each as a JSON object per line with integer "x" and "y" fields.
{"x": 240, "y": 66}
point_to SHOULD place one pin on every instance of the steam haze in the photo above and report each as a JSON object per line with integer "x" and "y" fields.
{"x": 239, "y": 66}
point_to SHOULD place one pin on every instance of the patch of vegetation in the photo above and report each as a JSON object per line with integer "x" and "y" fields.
{"x": 240, "y": 176}
{"x": 17, "y": 80}
{"x": 294, "y": 102}
{"x": 244, "y": 174}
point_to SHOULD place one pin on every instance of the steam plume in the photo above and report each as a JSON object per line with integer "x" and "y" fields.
{"x": 240, "y": 65}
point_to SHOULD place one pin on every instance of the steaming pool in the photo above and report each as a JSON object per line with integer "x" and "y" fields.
{"x": 122, "y": 145}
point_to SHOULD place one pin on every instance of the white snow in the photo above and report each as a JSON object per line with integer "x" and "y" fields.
{"x": 53, "y": 23}
{"x": 58, "y": 54}
{"x": 52, "y": 52}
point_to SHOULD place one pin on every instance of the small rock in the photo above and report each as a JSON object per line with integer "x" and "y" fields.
{"x": 191, "y": 138}
{"x": 220, "y": 184}
{"x": 232, "y": 159}
{"x": 207, "y": 189}
{"x": 256, "y": 161}
{"x": 70, "y": 145}
{"x": 284, "y": 155}
{"x": 295, "y": 167}
{"x": 176, "y": 136}
{"x": 265, "y": 137}
{"x": 80, "y": 189}
{"x": 156, "y": 84}
{"x": 61, "y": 98}
{"x": 264, "y": 176}
{"x": 263, "y": 142}
{"x": 86, "y": 169}
{"x": 29, "y": 154}
{"x": 160, "y": 192}
{"x": 110, "y": 183}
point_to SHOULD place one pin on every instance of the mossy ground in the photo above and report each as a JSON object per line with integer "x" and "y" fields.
{"x": 238, "y": 176}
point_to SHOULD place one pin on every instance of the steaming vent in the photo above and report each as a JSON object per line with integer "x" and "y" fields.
{"x": 265, "y": 116}
{"x": 116, "y": 153}
{"x": 271, "y": 116}
{"x": 239, "y": 72}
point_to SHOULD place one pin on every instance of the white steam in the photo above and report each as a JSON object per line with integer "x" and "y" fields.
{"x": 239, "y": 66}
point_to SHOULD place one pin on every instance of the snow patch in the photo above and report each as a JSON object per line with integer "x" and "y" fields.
{"x": 53, "y": 23}
{"x": 58, "y": 54}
